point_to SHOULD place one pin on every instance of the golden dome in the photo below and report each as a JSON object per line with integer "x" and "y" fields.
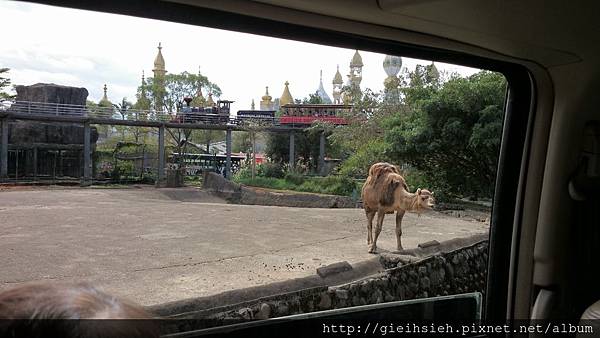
{"x": 337, "y": 79}
{"x": 356, "y": 60}
{"x": 266, "y": 97}
{"x": 286, "y": 97}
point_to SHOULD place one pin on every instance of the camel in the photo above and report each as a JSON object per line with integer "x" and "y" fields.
{"x": 384, "y": 192}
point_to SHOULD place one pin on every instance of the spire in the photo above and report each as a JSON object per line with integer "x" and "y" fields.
{"x": 252, "y": 106}
{"x": 337, "y": 79}
{"x": 321, "y": 91}
{"x": 104, "y": 101}
{"x": 199, "y": 99}
{"x": 143, "y": 84}
{"x": 159, "y": 61}
{"x": 286, "y": 97}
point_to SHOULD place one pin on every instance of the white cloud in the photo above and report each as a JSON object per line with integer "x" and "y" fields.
{"x": 89, "y": 49}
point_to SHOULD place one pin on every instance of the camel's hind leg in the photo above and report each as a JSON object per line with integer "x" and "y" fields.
{"x": 399, "y": 216}
{"x": 370, "y": 216}
{"x": 378, "y": 226}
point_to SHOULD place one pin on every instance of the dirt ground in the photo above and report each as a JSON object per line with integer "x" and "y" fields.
{"x": 160, "y": 245}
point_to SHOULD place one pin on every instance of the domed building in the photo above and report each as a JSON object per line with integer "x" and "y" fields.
{"x": 391, "y": 66}
{"x": 266, "y": 102}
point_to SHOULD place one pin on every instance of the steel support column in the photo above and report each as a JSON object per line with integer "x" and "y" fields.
{"x": 228, "y": 154}
{"x": 161, "y": 154}
{"x": 4, "y": 150}
{"x": 322, "y": 154}
{"x": 87, "y": 154}
{"x": 292, "y": 154}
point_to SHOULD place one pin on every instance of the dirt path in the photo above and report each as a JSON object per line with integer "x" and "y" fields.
{"x": 160, "y": 245}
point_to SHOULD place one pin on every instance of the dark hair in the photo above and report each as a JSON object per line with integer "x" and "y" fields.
{"x": 81, "y": 310}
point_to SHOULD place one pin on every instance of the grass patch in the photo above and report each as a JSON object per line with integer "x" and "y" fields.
{"x": 330, "y": 185}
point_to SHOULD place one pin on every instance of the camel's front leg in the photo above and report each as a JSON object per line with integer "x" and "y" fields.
{"x": 378, "y": 226}
{"x": 370, "y": 216}
{"x": 399, "y": 216}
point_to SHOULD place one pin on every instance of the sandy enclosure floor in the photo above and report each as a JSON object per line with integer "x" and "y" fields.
{"x": 159, "y": 245}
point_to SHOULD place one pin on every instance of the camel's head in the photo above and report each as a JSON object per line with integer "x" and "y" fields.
{"x": 425, "y": 199}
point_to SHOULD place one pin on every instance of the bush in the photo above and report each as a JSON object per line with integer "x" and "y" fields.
{"x": 294, "y": 178}
{"x": 271, "y": 169}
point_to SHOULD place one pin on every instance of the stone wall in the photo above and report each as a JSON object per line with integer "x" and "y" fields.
{"x": 240, "y": 194}
{"x": 459, "y": 271}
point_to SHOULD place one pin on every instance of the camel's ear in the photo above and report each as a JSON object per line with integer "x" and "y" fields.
{"x": 419, "y": 191}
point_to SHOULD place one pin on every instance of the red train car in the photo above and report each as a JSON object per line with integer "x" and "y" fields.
{"x": 309, "y": 113}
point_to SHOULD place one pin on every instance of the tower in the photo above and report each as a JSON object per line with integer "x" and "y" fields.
{"x": 286, "y": 97}
{"x": 392, "y": 65}
{"x": 159, "y": 79}
{"x": 321, "y": 91}
{"x": 337, "y": 86}
{"x": 356, "y": 70}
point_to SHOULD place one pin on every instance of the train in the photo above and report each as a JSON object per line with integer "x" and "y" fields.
{"x": 292, "y": 114}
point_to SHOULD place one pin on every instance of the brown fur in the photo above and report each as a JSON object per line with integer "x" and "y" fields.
{"x": 385, "y": 191}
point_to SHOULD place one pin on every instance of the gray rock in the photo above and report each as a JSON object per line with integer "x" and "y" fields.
{"x": 52, "y": 93}
{"x": 324, "y": 302}
{"x": 333, "y": 269}
{"x": 246, "y": 313}
{"x": 341, "y": 294}
{"x": 264, "y": 312}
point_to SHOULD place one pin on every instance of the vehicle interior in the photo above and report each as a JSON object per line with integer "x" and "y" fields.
{"x": 544, "y": 230}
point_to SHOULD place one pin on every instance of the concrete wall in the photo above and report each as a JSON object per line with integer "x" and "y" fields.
{"x": 240, "y": 194}
{"x": 405, "y": 277}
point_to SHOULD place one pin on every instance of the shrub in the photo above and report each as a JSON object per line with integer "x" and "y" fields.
{"x": 294, "y": 178}
{"x": 271, "y": 169}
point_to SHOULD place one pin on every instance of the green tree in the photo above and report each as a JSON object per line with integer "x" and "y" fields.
{"x": 177, "y": 87}
{"x": 452, "y": 134}
{"x": 4, "y": 83}
{"x": 124, "y": 111}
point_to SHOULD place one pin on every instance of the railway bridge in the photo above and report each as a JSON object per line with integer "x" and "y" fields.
{"x": 86, "y": 116}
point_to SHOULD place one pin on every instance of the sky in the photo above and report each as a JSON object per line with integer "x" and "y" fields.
{"x": 45, "y": 44}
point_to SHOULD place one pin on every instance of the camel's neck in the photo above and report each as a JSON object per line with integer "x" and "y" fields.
{"x": 409, "y": 202}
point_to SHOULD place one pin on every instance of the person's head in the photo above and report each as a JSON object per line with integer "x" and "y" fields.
{"x": 60, "y": 308}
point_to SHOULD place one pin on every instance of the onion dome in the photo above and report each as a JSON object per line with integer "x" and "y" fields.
{"x": 356, "y": 60}
{"x": 392, "y": 65}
